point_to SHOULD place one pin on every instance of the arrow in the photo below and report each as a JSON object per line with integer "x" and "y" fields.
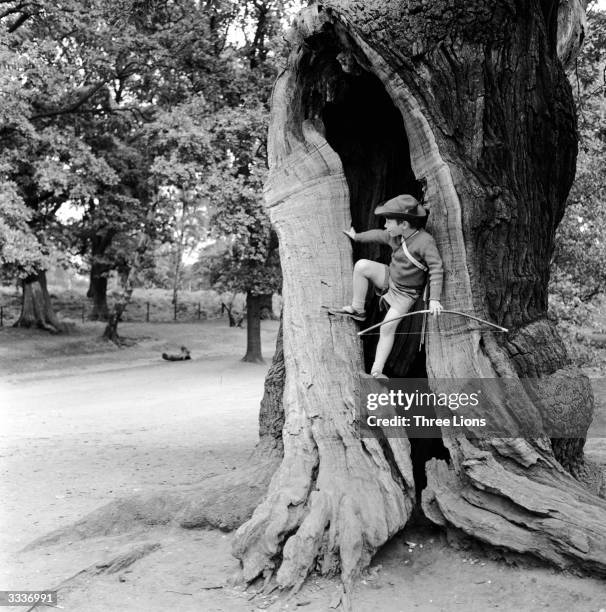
{"x": 417, "y": 312}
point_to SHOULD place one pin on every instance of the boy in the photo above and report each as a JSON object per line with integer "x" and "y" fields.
{"x": 414, "y": 253}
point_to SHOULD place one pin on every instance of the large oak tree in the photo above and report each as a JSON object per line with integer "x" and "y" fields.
{"x": 468, "y": 102}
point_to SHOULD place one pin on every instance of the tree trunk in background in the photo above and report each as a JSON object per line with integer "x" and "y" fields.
{"x": 97, "y": 292}
{"x": 267, "y": 307}
{"x": 470, "y": 104}
{"x": 253, "y": 329}
{"x": 126, "y": 284}
{"x": 100, "y": 242}
{"x": 110, "y": 332}
{"x": 36, "y": 307}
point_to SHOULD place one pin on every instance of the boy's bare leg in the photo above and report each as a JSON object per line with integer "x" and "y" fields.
{"x": 364, "y": 271}
{"x": 385, "y": 344}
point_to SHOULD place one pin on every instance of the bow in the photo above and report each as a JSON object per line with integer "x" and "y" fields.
{"x": 454, "y": 312}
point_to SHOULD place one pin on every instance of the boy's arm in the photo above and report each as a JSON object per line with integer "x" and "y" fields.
{"x": 375, "y": 235}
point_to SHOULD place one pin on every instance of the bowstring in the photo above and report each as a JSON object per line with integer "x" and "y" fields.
{"x": 442, "y": 333}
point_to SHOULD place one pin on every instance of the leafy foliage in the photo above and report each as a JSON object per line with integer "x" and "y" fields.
{"x": 250, "y": 261}
{"x": 20, "y": 250}
{"x": 113, "y": 109}
{"x": 578, "y": 273}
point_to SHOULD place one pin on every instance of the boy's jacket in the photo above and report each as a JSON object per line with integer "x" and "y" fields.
{"x": 401, "y": 270}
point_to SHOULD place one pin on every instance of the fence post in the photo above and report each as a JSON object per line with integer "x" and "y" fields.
{"x": 198, "y": 311}
{"x": 82, "y": 313}
{"x": 1, "y": 316}
{"x": 147, "y": 313}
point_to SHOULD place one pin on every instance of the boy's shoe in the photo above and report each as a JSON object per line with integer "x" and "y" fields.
{"x": 348, "y": 311}
{"x": 378, "y": 375}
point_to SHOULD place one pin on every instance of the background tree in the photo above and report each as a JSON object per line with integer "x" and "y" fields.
{"x": 99, "y": 80}
{"x": 250, "y": 264}
{"x": 67, "y": 73}
{"x": 578, "y": 274}
{"x": 216, "y": 142}
{"x": 46, "y": 162}
{"x": 21, "y": 252}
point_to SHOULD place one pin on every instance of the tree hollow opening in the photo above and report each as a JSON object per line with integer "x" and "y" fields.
{"x": 366, "y": 129}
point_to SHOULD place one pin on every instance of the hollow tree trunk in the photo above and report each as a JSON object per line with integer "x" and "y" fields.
{"x": 487, "y": 127}
{"x": 36, "y": 307}
{"x": 253, "y": 329}
{"x": 97, "y": 291}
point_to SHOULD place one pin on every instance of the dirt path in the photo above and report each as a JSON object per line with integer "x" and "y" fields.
{"x": 84, "y": 439}
{"x": 84, "y": 429}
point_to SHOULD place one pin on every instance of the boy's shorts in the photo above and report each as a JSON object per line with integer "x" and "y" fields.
{"x": 400, "y": 299}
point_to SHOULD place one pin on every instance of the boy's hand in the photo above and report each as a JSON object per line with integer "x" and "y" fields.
{"x": 351, "y": 232}
{"x": 435, "y": 308}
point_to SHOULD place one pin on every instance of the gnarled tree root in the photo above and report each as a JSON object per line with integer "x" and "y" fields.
{"x": 329, "y": 508}
{"x": 222, "y": 502}
{"x": 543, "y": 511}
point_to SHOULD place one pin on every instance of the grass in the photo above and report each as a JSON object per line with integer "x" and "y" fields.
{"x": 193, "y": 306}
{"x": 208, "y": 334}
{"x": 74, "y": 306}
{"x": 35, "y": 351}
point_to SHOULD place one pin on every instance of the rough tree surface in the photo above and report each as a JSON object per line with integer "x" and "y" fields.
{"x": 253, "y": 329}
{"x": 97, "y": 291}
{"x": 469, "y": 104}
{"x": 36, "y": 307}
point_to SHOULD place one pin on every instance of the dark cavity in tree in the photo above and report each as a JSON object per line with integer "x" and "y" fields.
{"x": 366, "y": 129}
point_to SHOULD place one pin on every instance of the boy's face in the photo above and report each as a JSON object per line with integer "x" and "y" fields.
{"x": 394, "y": 227}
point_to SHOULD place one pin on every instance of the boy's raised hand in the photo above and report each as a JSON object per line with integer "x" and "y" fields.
{"x": 351, "y": 232}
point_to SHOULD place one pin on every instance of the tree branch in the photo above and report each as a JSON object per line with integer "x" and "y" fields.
{"x": 10, "y": 11}
{"x": 19, "y": 22}
{"x": 73, "y": 107}
{"x": 590, "y": 294}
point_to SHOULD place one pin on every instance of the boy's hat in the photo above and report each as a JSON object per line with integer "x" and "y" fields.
{"x": 403, "y": 206}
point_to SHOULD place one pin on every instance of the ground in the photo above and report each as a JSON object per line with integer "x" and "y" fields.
{"x": 85, "y": 423}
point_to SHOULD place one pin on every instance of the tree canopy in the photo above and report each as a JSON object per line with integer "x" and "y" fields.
{"x": 115, "y": 109}
{"x": 578, "y": 272}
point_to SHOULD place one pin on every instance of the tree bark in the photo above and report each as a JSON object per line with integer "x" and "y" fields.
{"x": 100, "y": 241}
{"x": 266, "y": 307}
{"x": 470, "y": 104}
{"x": 230, "y": 317}
{"x": 340, "y": 498}
{"x": 36, "y": 308}
{"x": 127, "y": 279}
{"x": 110, "y": 333}
{"x": 253, "y": 329}
{"x": 97, "y": 292}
